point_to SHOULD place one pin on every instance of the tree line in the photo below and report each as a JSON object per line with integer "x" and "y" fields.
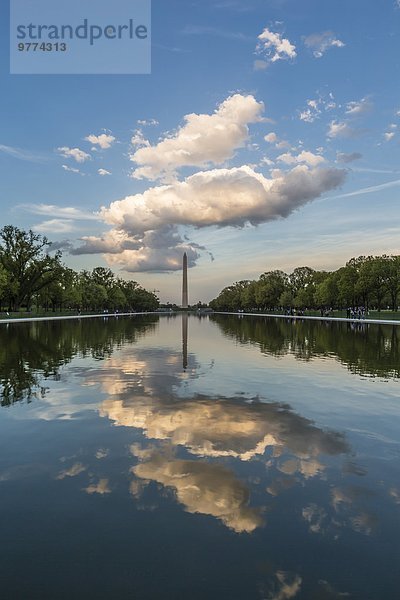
{"x": 33, "y": 279}
{"x": 33, "y": 353}
{"x": 369, "y": 281}
{"x": 363, "y": 350}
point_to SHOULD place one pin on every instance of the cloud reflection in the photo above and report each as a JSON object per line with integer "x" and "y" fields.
{"x": 73, "y": 471}
{"x": 289, "y": 586}
{"x": 101, "y": 487}
{"x": 143, "y": 393}
{"x": 204, "y": 488}
{"x": 215, "y": 428}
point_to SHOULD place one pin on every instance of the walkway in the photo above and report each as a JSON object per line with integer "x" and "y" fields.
{"x": 66, "y": 317}
{"x": 302, "y": 318}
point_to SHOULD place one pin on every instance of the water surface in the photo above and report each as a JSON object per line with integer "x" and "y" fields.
{"x": 220, "y": 458}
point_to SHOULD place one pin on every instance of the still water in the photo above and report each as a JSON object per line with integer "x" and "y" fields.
{"x": 221, "y": 457}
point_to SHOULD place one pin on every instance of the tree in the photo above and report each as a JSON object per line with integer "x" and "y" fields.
{"x": 348, "y": 277}
{"x": 301, "y": 278}
{"x": 233, "y": 297}
{"x": 363, "y": 280}
{"x": 23, "y": 255}
{"x": 286, "y": 299}
{"x": 327, "y": 292}
{"x": 104, "y": 277}
{"x": 270, "y": 287}
{"x": 3, "y": 281}
{"x": 372, "y": 280}
{"x": 94, "y": 296}
{"x": 72, "y": 288}
{"x": 116, "y": 298}
{"x": 393, "y": 279}
{"x": 136, "y": 297}
{"x": 249, "y": 296}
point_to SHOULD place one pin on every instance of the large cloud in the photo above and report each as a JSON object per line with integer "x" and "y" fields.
{"x": 203, "y": 139}
{"x": 144, "y": 234}
{"x": 158, "y": 251}
{"x": 223, "y": 197}
{"x": 145, "y": 230}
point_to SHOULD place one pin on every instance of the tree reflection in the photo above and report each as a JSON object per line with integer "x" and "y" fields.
{"x": 365, "y": 349}
{"x": 32, "y": 352}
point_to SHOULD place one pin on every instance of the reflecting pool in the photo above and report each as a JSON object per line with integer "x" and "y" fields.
{"x": 211, "y": 457}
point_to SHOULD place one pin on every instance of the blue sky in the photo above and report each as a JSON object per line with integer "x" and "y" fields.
{"x": 290, "y": 157}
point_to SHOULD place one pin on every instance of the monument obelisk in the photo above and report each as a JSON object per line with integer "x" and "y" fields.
{"x": 184, "y": 340}
{"x": 184, "y": 283}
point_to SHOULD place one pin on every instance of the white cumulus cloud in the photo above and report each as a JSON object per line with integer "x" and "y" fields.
{"x": 103, "y": 172}
{"x": 223, "y": 197}
{"x": 159, "y": 250}
{"x": 78, "y": 155}
{"x": 203, "y": 140}
{"x": 274, "y": 47}
{"x": 138, "y": 140}
{"x": 304, "y": 157}
{"x": 144, "y": 233}
{"x": 103, "y": 140}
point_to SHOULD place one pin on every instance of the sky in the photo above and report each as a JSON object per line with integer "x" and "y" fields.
{"x": 266, "y": 137}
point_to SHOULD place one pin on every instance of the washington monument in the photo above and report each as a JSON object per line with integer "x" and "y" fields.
{"x": 184, "y": 283}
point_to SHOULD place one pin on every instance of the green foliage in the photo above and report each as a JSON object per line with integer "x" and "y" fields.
{"x": 29, "y": 276}
{"x": 372, "y": 282}
{"x": 29, "y": 268}
{"x": 3, "y": 280}
{"x": 270, "y": 287}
